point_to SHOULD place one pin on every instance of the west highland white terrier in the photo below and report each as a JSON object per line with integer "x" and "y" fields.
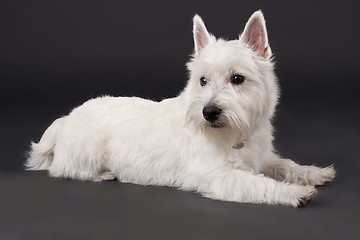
{"x": 215, "y": 138}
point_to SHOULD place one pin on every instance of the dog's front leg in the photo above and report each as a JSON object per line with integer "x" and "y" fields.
{"x": 241, "y": 186}
{"x": 288, "y": 171}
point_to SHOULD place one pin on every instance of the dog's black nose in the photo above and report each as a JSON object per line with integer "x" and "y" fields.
{"x": 211, "y": 113}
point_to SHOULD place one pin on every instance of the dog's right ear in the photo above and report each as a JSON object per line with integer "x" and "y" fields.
{"x": 201, "y": 35}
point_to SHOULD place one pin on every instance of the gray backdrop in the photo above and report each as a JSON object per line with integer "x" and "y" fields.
{"x": 56, "y": 54}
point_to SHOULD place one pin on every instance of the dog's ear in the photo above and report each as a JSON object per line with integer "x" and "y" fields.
{"x": 255, "y": 35}
{"x": 201, "y": 35}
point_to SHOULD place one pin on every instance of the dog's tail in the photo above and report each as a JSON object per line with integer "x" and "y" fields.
{"x": 41, "y": 154}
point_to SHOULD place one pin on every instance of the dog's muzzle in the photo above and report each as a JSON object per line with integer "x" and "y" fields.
{"x": 211, "y": 114}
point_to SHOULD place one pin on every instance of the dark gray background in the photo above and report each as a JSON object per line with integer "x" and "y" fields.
{"x": 56, "y": 54}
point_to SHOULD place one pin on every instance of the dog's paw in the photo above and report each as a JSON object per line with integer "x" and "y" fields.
{"x": 326, "y": 175}
{"x": 296, "y": 195}
{"x": 318, "y": 176}
{"x": 303, "y": 195}
{"x": 105, "y": 176}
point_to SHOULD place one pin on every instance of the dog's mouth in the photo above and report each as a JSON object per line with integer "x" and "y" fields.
{"x": 217, "y": 124}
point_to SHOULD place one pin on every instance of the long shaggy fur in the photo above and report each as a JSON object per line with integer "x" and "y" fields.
{"x": 171, "y": 143}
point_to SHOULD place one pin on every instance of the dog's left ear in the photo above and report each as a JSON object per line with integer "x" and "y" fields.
{"x": 255, "y": 35}
{"x": 201, "y": 35}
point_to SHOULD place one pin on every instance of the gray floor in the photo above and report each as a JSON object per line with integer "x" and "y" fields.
{"x": 35, "y": 206}
{"x": 56, "y": 54}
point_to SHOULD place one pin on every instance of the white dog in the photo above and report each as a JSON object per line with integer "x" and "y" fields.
{"x": 214, "y": 138}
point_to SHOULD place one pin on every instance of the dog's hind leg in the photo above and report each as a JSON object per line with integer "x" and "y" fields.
{"x": 84, "y": 173}
{"x": 288, "y": 171}
{"x": 72, "y": 161}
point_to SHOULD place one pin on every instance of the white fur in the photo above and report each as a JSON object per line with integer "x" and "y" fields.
{"x": 170, "y": 143}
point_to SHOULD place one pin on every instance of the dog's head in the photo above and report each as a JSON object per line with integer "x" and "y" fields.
{"x": 232, "y": 83}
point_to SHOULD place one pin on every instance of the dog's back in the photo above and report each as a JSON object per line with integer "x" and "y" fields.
{"x": 110, "y": 133}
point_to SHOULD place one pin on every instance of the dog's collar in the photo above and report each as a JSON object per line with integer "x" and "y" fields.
{"x": 239, "y": 145}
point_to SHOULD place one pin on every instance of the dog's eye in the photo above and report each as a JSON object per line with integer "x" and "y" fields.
{"x": 237, "y": 79}
{"x": 203, "y": 81}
